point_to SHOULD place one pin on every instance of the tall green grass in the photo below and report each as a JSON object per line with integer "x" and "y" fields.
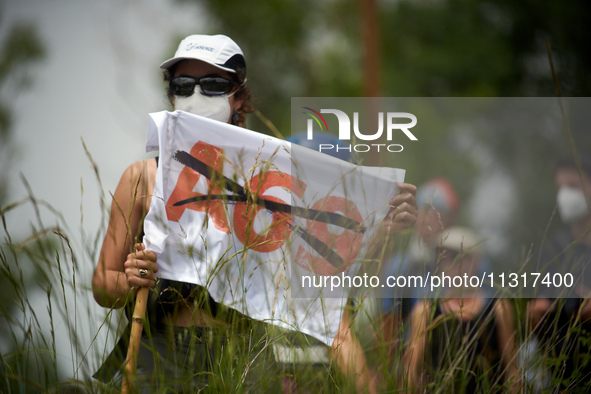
{"x": 51, "y": 339}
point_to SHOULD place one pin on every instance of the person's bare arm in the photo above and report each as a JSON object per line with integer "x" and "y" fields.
{"x": 585, "y": 307}
{"x": 350, "y": 357}
{"x": 506, "y": 336}
{"x": 118, "y": 267}
{"x": 585, "y": 310}
{"x": 346, "y": 348}
{"x": 415, "y": 351}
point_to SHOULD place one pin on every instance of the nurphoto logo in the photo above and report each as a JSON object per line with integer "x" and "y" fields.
{"x": 395, "y": 122}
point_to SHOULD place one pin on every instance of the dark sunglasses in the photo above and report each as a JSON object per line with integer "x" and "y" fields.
{"x": 209, "y": 85}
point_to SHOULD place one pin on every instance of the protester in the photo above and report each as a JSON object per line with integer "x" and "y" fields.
{"x": 193, "y": 338}
{"x": 563, "y": 325}
{"x": 462, "y": 338}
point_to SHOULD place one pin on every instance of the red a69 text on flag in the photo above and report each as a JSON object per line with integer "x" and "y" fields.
{"x": 328, "y": 252}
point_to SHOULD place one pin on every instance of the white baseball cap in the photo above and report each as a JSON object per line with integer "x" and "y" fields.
{"x": 219, "y": 51}
{"x": 460, "y": 239}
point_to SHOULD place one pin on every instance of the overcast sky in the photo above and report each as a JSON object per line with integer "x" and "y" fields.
{"x": 98, "y": 83}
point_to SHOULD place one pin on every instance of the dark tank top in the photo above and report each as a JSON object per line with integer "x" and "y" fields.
{"x": 168, "y": 295}
{"x": 470, "y": 348}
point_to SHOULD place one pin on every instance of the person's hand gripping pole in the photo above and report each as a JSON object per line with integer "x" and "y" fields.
{"x": 140, "y": 269}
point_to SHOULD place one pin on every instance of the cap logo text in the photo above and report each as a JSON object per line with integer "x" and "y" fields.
{"x": 192, "y": 46}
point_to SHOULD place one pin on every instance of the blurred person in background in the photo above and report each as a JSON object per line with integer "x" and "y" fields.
{"x": 563, "y": 325}
{"x": 438, "y": 204}
{"x": 355, "y": 311}
{"x": 462, "y": 338}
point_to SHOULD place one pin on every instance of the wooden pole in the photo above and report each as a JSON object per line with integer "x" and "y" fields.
{"x": 137, "y": 325}
{"x": 370, "y": 30}
{"x": 372, "y": 78}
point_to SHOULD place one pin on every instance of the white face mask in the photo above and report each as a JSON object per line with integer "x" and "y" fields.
{"x": 572, "y": 204}
{"x": 212, "y": 107}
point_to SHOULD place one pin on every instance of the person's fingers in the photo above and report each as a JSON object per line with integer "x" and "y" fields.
{"x": 147, "y": 257}
{"x": 407, "y": 187}
{"x": 403, "y": 207}
{"x": 145, "y": 254}
{"x": 405, "y": 217}
{"x": 136, "y": 279}
{"x": 140, "y": 268}
{"x": 143, "y": 260}
{"x": 407, "y": 207}
{"x": 136, "y": 267}
{"x": 137, "y": 264}
{"x": 136, "y": 282}
{"x": 403, "y": 198}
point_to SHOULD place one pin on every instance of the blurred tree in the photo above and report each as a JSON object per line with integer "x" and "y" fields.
{"x": 20, "y": 48}
{"x": 496, "y": 48}
{"x": 23, "y": 366}
{"x": 293, "y": 49}
{"x": 491, "y": 48}
{"x": 500, "y": 50}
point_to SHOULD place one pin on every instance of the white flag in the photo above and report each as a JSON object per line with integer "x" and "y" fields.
{"x": 248, "y": 217}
